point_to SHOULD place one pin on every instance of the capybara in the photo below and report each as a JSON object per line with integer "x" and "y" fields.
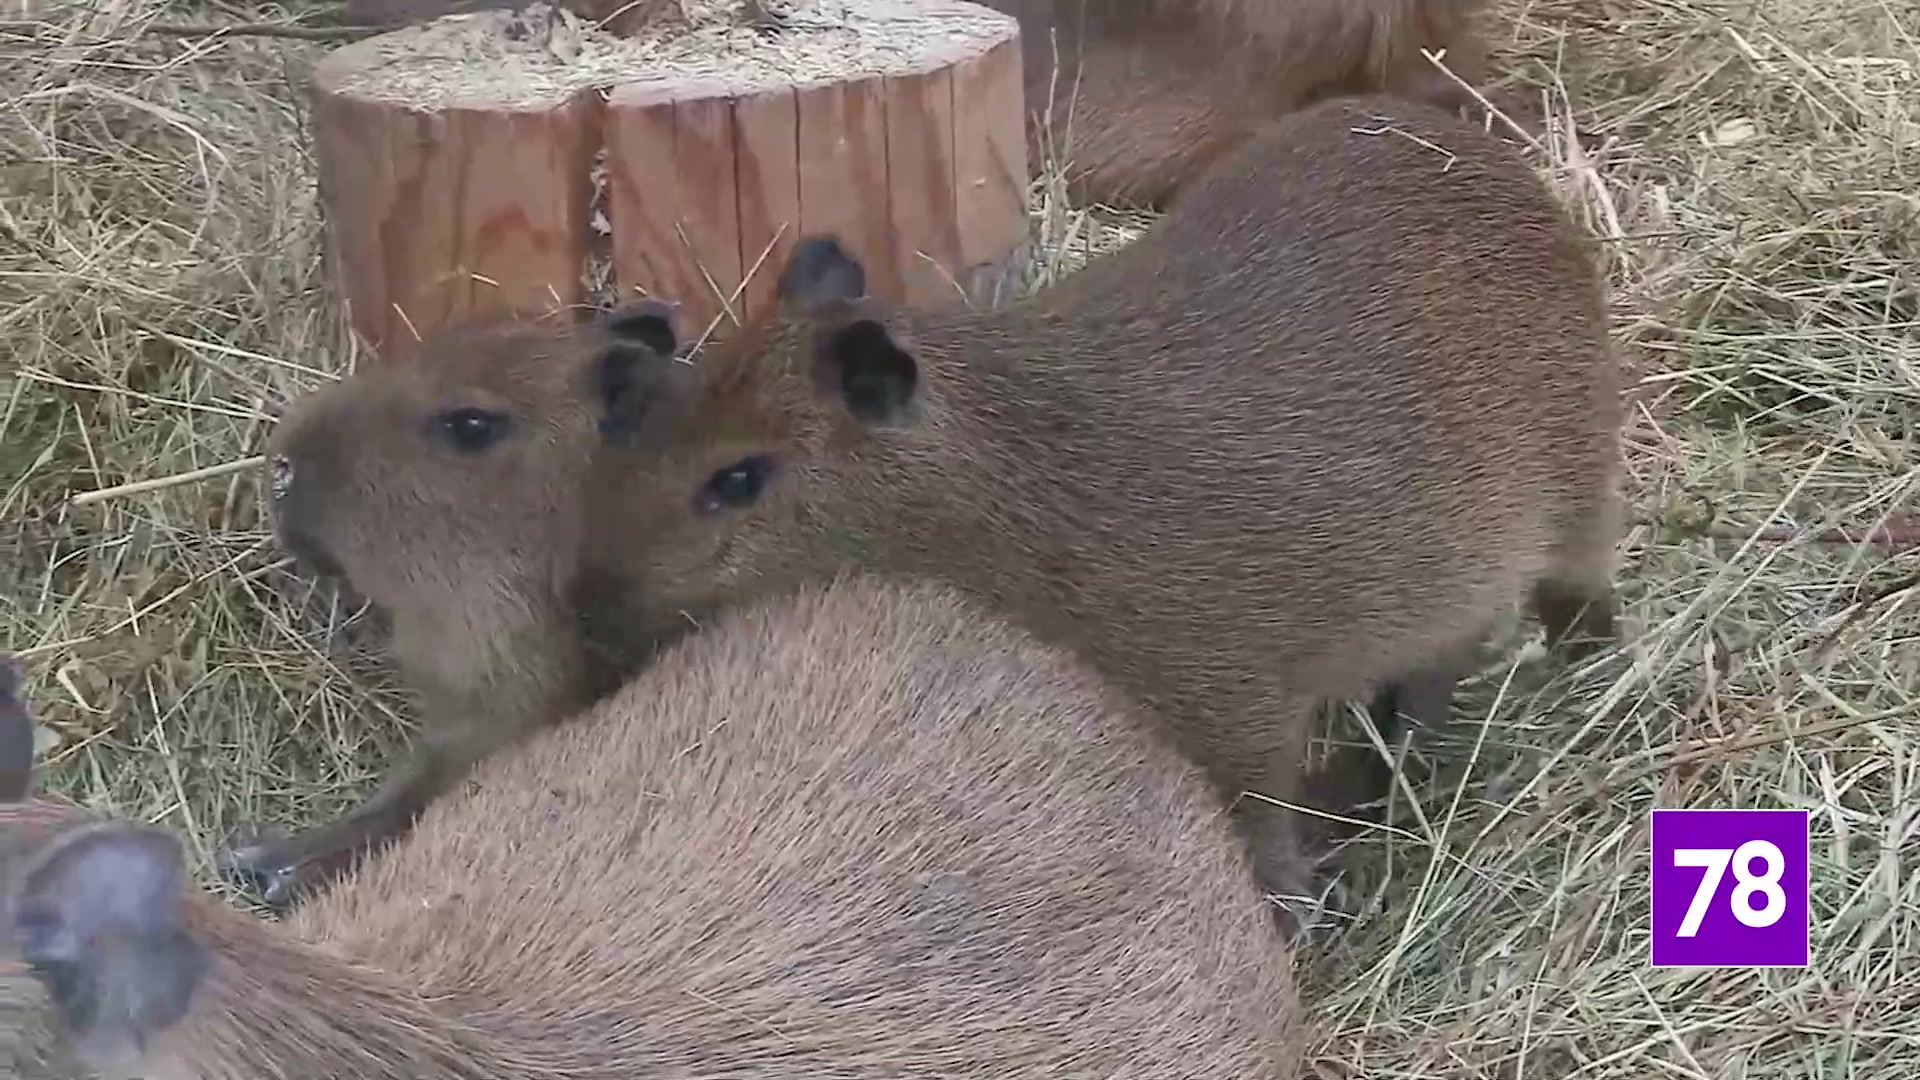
{"x": 1310, "y": 435}
{"x": 460, "y": 519}
{"x": 860, "y": 832}
{"x": 1140, "y": 96}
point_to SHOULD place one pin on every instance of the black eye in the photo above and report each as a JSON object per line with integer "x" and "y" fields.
{"x": 471, "y": 429}
{"x": 736, "y": 485}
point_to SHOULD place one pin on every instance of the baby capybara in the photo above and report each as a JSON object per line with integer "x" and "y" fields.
{"x": 462, "y": 522}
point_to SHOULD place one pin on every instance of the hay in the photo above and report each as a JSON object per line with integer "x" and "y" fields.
{"x": 160, "y": 293}
{"x": 543, "y": 56}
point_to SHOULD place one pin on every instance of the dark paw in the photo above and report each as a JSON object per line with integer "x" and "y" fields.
{"x": 264, "y": 863}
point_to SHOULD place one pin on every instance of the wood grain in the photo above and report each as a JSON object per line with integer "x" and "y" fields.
{"x": 444, "y": 213}
{"x": 990, "y": 167}
{"x": 921, "y": 187}
{"x": 437, "y": 218}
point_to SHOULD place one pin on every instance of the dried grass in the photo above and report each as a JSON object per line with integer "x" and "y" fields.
{"x": 545, "y": 55}
{"x": 161, "y": 291}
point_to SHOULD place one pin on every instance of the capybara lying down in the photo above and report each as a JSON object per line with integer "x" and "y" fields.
{"x": 859, "y": 832}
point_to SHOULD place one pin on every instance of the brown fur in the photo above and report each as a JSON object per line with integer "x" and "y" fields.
{"x": 1310, "y": 435}
{"x": 493, "y": 623}
{"x": 862, "y": 833}
{"x": 1141, "y": 96}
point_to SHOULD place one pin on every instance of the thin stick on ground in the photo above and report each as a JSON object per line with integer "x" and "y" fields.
{"x": 161, "y": 483}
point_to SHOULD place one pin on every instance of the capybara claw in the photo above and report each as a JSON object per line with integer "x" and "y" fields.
{"x": 260, "y": 863}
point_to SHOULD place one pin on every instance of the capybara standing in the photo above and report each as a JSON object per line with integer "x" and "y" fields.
{"x": 1141, "y": 96}
{"x": 1313, "y": 433}
{"x": 860, "y": 833}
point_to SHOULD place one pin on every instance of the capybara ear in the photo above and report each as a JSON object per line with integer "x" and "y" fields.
{"x": 97, "y": 917}
{"x": 647, "y": 323}
{"x": 869, "y": 371}
{"x": 626, "y": 374}
{"x": 820, "y": 274}
{"x": 16, "y": 735}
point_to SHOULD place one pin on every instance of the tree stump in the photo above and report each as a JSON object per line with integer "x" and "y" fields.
{"x": 500, "y": 162}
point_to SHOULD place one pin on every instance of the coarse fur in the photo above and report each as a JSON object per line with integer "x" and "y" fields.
{"x": 449, "y": 497}
{"x": 1139, "y": 97}
{"x": 865, "y": 831}
{"x": 1312, "y": 434}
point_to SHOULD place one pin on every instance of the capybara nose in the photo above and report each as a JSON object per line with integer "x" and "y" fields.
{"x": 279, "y": 476}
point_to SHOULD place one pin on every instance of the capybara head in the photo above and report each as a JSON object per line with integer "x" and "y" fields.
{"x": 763, "y": 451}
{"x": 461, "y": 469}
{"x": 34, "y": 1043}
{"x": 42, "y": 975}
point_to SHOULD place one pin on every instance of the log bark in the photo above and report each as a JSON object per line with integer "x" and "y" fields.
{"x": 501, "y": 162}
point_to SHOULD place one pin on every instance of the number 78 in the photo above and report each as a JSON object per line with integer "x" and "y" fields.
{"x": 1715, "y": 861}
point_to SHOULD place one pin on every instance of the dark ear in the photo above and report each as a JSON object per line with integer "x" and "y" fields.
{"x": 97, "y": 916}
{"x": 871, "y": 373}
{"x": 16, "y": 736}
{"x": 627, "y": 374}
{"x": 647, "y": 323}
{"x": 819, "y": 274}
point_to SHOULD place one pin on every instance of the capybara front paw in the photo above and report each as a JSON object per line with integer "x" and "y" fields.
{"x": 264, "y": 863}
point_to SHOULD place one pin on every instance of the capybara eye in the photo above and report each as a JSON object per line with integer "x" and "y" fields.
{"x": 736, "y": 485}
{"x": 471, "y": 429}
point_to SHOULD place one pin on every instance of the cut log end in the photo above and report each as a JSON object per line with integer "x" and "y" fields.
{"x": 478, "y": 165}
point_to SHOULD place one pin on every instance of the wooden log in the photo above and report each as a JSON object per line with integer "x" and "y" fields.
{"x": 459, "y": 160}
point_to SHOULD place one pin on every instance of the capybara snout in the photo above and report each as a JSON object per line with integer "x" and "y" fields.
{"x": 376, "y": 474}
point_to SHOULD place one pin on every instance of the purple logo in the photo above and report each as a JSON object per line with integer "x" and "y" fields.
{"x": 1730, "y": 888}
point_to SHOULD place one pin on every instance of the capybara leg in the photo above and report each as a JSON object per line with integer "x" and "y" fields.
{"x": 1575, "y": 601}
{"x": 1349, "y": 779}
{"x": 282, "y": 869}
{"x": 1281, "y": 866}
{"x": 1259, "y": 767}
{"x": 1578, "y": 615}
{"x": 1354, "y": 776}
{"x": 1424, "y": 697}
